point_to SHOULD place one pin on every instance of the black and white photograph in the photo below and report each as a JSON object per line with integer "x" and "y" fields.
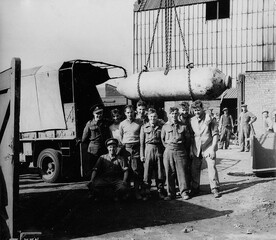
{"x": 137, "y": 119}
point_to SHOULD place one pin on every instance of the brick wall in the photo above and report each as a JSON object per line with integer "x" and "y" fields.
{"x": 260, "y": 94}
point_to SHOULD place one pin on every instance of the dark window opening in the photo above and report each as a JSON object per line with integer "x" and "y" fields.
{"x": 218, "y": 9}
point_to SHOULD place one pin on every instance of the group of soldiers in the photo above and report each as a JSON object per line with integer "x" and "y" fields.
{"x": 129, "y": 152}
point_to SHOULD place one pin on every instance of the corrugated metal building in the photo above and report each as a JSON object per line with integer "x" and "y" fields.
{"x": 233, "y": 35}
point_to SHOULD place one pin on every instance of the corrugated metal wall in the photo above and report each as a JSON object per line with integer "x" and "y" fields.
{"x": 244, "y": 42}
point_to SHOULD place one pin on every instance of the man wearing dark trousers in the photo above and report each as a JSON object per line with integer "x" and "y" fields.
{"x": 225, "y": 127}
{"x": 110, "y": 171}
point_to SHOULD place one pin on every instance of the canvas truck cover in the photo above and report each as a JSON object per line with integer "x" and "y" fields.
{"x": 41, "y": 107}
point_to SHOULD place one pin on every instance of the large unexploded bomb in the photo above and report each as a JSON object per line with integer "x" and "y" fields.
{"x": 204, "y": 83}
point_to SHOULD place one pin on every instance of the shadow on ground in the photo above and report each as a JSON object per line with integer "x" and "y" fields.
{"x": 230, "y": 187}
{"x": 70, "y": 214}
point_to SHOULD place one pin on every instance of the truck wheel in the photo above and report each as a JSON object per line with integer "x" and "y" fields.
{"x": 49, "y": 164}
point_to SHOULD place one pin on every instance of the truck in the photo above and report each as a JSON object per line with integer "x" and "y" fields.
{"x": 54, "y": 108}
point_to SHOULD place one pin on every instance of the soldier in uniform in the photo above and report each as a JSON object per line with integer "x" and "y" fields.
{"x": 225, "y": 128}
{"x": 151, "y": 153}
{"x": 96, "y": 132}
{"x": 246, "y": 119}
{"x": 173, "y": 136}
{"x": 110, "y": 171}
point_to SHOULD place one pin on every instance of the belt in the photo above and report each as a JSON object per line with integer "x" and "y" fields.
{"x": 132, "y": 145}
{"x": 155, "y": 143}
{"x": 175, "y": 147}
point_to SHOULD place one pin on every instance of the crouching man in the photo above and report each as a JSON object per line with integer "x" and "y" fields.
{"x": 110, "y": 173}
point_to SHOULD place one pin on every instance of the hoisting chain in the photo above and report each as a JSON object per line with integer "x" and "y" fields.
{"x": 169, "y": 4}
{"x": 168, "y": 35}
{"x": 190, "y": 65}
{"x": 142, "y": 5}
{"x": 150, "y": 49}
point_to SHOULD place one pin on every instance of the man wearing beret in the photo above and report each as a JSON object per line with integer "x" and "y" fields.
{"x": 225, "y": 127}
{"x": 204, "y": 147}
{"x": 246, "y": 119}
{"x": 109, "y": 172}
{"x": 96, "y": 132}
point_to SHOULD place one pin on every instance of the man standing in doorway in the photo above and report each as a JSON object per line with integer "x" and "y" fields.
{"x": 225, "y": 127}
{"x": 246, "y": 119}
{"x": 204, "y": 147}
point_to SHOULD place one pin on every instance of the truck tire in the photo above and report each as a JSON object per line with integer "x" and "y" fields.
{"x": 48, "y": 163}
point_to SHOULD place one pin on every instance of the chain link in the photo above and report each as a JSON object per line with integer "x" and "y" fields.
{"x": 150, "y": 49}
{"x": 142, "y": 5}
{"x": 168, "y": 34}
{"x": 190, "y": 65}
{"x": 169, "y": 4}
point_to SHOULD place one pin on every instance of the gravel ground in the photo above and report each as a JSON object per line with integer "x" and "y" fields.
{"x": 246, "y": 209}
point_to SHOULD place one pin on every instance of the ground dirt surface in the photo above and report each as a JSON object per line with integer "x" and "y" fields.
{"x": 246, "y": 209}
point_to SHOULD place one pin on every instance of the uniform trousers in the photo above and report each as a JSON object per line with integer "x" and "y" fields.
{"x": 102, "y": 185}
{"x": 154, "y": 164}
{"x": 176, "y": 164}
{"x": 225, "y": 137}
{"x": 243, "y": 137}
{"x": 132, "y": 152}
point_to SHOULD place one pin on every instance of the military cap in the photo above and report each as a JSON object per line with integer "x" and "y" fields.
{"x": 184, "y": 104}
{"x": 197, "y": 104}
{"x": 225, "y": 109}
{"x": 244, "y": 105}
{"x": 111, "y": 141}
{"x": 97, "y": 108}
